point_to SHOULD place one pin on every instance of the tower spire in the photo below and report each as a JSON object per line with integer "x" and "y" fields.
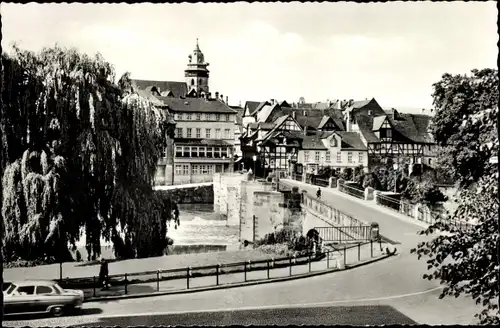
{"x": 197, "y": 44}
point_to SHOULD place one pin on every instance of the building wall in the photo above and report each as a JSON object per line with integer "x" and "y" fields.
{"x": 205, "y": 123}
{"x": 344, "y": 158}
{"x": 192, "y": 195}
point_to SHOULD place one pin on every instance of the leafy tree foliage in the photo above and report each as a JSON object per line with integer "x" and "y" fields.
{"x": 466, "y": 260}
{"x": 80, "y": 153}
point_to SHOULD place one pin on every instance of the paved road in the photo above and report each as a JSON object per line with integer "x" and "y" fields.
{"x": 395, "y": 284}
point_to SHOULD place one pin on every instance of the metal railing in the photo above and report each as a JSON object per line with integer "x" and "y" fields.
{"x": 345, "y": 234}
{"x": 321, "y": 182}
{"x": 210, "y": 275}
{"x": 331, "y": 214}
{"x": 355, "y": 192}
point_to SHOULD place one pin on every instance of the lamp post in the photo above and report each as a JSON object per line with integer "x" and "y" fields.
{"x": 395, "y": 167}
{"x": 254, "y": 158}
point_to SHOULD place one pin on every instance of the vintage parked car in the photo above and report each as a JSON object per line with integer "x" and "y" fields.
{"x": 41, "y": 296}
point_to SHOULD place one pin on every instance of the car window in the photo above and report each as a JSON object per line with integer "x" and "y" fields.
{"x": 26, "y": 290}
{"x": 9, "y": 289}
{"x": 41, "y": 290}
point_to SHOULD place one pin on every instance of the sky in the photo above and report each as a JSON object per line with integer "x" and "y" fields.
{"x": 393, "y": 52}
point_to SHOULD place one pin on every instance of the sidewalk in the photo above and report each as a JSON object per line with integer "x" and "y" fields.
{"x": 395, "y": 226}
{"x": 238, "y": 278}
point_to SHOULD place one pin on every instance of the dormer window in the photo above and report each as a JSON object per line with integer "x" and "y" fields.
{"x": 370, "y": 112}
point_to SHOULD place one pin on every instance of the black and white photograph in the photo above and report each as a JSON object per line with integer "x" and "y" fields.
{"x": 263, "y": 163}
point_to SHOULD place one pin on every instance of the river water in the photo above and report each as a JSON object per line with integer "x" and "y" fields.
{"x": 200, "y": 225}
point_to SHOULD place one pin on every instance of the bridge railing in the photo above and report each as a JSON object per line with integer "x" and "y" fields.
{"x": 330, "y": 213}
{"x": 350, "y": 190}
{"x": 345, "y": 234}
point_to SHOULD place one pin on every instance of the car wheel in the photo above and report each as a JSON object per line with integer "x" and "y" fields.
{"x": 56, "y": 311}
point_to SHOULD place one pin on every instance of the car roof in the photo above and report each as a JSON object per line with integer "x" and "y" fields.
{"x": 33, "y": 282}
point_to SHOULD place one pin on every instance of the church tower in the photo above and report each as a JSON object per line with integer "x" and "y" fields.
{"x": 197, "y": 73}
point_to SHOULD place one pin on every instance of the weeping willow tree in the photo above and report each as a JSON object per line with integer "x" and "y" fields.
{"x": 79, "y": 153}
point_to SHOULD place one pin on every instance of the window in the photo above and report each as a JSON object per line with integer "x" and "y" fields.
{"x": 224, "y": 152}
{"x": 388, "y": 133}
{"x": 192, "y": 81}
{"x": 217, "y": 117}
{"x": 210, "y": 153}
{"x": 201, "y": 152}
{"x": 185, "y": 169}
{"x": 198, "y": 133}
{"x": 327, "y": 156}
{"x": 306, "y": 156}
{"x": 178, "y": 169}
{"x": 316, "y": 157}
{"x": 430, "y": 161}
{"x": 188, "y": 133}
{"x": 228, "y": 117}
{"x": 217, "y": 134}
{"x": 360, "y": 157}
{"x": 198, "y": 117}
{"x": 216, "y": 152}
{"x": 178, "y": 117}
{"x": 186, "y": 152}
{"x": 178, "y": 134}
{"x": 178, "y": 151}
{"x": 349, "y": 157}
{"x": 41, "y": 290}
{"x": 188, "y": 117}
{"x": 227, "y": 133}
{"x": 194, "y": 151}
{"x": 207, "y": 133}
{"x": 208, "y": 117}
{"x": 339, "y": 157}
{"x": 26, "y": 290}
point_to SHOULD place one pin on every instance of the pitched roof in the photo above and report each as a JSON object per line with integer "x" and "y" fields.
{"x": 351, "y": 140}
{"x": 378, "y": 121}
{"x": 197, "y": 105}
{"x": 265, "y": 112}
{"x": 178, "y": 89}
{"x": 144, "y": 94}
{"x": 313, "y": 142}
{"x": 259, "y": 107}
{"x": 252, "y": 106}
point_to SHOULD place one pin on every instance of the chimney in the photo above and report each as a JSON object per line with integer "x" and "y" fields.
{"x": 305, "y": 130}
{"x": 294, "y": 115}
{"x": 217, "y": 95}
{"x": 351, "y": 102}
{"x": 221, "y": 97}
{"x": 227, "y": 102}
{"x": 209, "y": 95}
{"x": 422, "y": 110}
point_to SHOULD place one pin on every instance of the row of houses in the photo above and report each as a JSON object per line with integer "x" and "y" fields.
{"x": 207, "y": 135}
{"x": 279, "y": 137}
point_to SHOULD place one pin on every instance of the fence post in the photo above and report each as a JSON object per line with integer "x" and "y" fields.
{"x": 125, "y": 284}
{"x": 60, "y": 272}
{"x": 245, "y": 271}
{"x": 290, "y": 267}
{"x": 309, "y": 261}
{"x": 217, "y": 274}
{"x": 188, "y": 272}
{"x": 157, "y": 280}
{"x": 380, "y": 243}
{"x": 344, "y": 256}
{"x": 328, "y": 259}
{"x": 94, "y": 286}
{"x": 359, "y": 252}
{"x": 267, "y": 269}
{"x": 371, "y": 247}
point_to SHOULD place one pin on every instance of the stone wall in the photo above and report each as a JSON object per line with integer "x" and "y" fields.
{"x": 268, "y": 211}
{"x": 248, "y": 208}
{"x": 227, "y": 196}
{"x": 191, "y": 195}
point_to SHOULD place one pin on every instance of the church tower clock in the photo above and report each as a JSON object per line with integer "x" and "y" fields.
{"x": 197, "y": 73}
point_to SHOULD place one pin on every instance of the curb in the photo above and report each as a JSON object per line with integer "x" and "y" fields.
{"x": 235, "y": 285}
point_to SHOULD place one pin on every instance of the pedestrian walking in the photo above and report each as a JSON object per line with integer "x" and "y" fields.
{"x": 104, "y": 274}
{"x": 318, "y": 193}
